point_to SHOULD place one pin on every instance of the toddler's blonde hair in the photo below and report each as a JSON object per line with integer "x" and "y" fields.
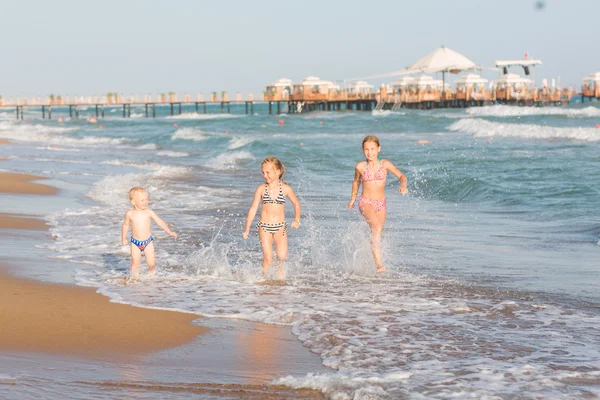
{"x": 134, "y": 190}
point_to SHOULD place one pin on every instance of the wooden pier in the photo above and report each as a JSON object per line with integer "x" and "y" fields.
{"x": 149, "y": 107}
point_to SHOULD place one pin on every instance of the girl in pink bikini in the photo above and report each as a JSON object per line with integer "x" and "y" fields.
{"x": 371, "y": 204}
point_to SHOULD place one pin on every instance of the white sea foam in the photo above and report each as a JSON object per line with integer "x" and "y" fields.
{"x": 167, "y": 153}
{"x": 190, "y": 134}
{"x": 148, "y": 146}
{"x": 512, "y": 111}
{"x": 51, "y": 134}
{"x": 204, "y": 116}
{"x": 237, "y": 142}
{"x": 229, "y": 160}
{"x": 483, "y": 128}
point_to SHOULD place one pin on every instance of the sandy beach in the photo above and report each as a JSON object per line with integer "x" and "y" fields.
{"x": 55, "y": 318}
{"x": 44, "y": 320}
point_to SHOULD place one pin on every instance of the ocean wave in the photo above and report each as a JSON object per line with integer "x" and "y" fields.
{"x": 54, "y": 135}
{"x": 167, "y": 153}
{"x": 512, "y": 111}
{"x": 205, "y": 116}
{"x": 229, "y": 160}
{"x": 194, "y": 134}
{"x": 483, "y": 128}
{"x": 236, "y": 143}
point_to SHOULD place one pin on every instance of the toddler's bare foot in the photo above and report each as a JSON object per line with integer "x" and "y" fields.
{"x": 380, "y": 269}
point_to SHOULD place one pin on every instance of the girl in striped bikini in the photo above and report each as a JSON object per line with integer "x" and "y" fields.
{"x": 272, "y": 225}
{"x": 372, "y": 204}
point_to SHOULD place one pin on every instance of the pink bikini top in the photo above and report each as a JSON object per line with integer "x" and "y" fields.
{"x": 379, "y": 175}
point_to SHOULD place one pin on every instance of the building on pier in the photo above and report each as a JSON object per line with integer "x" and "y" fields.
{"x": 471, "y": 90}
{"x": 279, "y": 90}
{"x": 591, "y": 86}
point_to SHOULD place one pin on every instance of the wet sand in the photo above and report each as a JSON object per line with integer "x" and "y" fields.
{"x": 224, "y": 357}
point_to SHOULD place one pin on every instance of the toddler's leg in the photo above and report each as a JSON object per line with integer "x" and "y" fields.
{"x": 281, "y": 248}
{"x": 150, "y": 257}
{"x": 266, "y": 242}
{"x": 136, "y": 257}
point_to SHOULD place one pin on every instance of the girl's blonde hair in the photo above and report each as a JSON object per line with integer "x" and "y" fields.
{"x": 371, "y": 138}
{"x": 134, "y": 190}
{"x": 276, "y": 163}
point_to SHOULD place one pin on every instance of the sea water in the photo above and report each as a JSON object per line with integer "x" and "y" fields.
{"x": 492, "y": 282}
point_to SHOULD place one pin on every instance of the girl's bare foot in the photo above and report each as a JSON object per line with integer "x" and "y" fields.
{"x": 380, "y": 269}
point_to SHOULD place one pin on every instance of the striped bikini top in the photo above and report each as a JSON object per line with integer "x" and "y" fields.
{"x": 266, "y": 198}
{"x": 379, "y": 175}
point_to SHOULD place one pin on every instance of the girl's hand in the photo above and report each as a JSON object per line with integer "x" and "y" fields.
{"x": 351, "y": 204}
{"x": 124, "y": 242}
{"x": 173, "y": 235}
{"x": 403, "y": 190}
{"x": 245, "y": 235}
{"x": 296, "y": 224}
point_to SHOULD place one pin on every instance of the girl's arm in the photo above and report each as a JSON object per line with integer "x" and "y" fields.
{"x": 125, "y": 229}
{"x": 403, "y": 181}
{"x": 162, "y": 224}
{"x": 252, "y": 211}
{"x": 294, "y": 200}
{"x": 355, "y": 186}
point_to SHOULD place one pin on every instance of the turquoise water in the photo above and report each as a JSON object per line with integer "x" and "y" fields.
{"x": 493, "y": 256}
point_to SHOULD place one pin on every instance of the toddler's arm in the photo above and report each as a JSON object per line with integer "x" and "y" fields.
{"x": 125, "y": 229}
{"x": 162, "y": 224}
{"x": 252, "y": 211}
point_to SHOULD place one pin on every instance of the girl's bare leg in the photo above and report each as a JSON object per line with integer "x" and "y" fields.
{"x": 266, "y": 242}
{"x": 376, "y": 221}
{"x": 281, "y": 248}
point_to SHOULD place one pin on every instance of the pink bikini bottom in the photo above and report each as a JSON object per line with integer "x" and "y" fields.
{"x": 376, "y": 205}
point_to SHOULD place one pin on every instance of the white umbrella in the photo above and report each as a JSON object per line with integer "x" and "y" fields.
{"x": 443, "y": 60}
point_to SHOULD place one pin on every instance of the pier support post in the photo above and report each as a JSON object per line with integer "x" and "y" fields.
{"x": 204, "y": 104}
{"x": 43, "y": 112}
{"x": 96, "y": 111}
{"x": 196, "y": 107}
{"x": 70, "y": 111}
{"x": 146, "y": 106}
{"x": 270, "y": 107}
{"x": 49, "y": 112}
{"x": 129, "y": 111}
{"x": 102, "y": 110}
{"x": 153, "y": 110}
{"x": 278, "y": 107}
{"x": 124, "y": 111}
{"x": 252, "y": 108}
{"x": 77, "y": 112}
{"x": 246, "y": 107}
{"x": 179, "y": 108}
{"x": 228, "y": 108}
{"x": 172, "y": 111}
{"x": 222, "y": 107}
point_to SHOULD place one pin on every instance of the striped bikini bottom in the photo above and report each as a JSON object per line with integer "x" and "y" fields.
{"x": 272, "y": 228}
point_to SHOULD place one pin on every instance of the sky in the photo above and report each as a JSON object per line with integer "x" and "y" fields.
{"x": 87, "y": 48}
